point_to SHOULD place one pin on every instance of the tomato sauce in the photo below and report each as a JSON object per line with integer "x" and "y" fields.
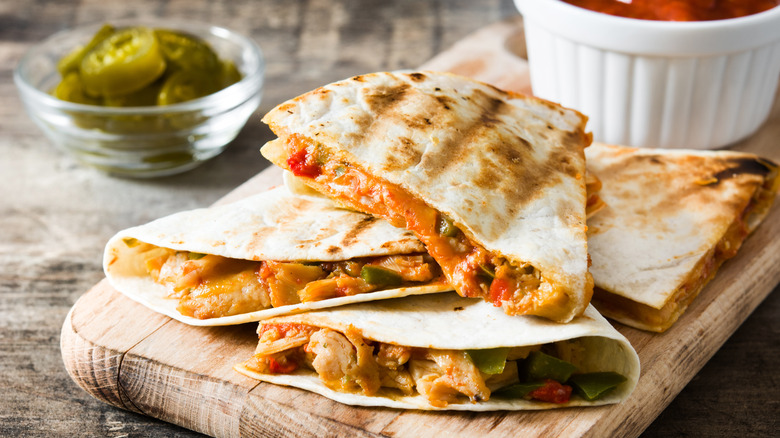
{"x": 552, "y": 392}
{"x": 677, "y": 10}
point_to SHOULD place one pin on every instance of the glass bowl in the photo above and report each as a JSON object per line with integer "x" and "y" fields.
{"x": 147, "y": 141}
{"x": 643, "y": 83}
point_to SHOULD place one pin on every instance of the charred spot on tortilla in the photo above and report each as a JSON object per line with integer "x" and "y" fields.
{"x": 403, "y": 154}
{"x": 383, "y": 99}
{"x": 417, "y": 77}
{"x": 359, "y": 228}
{"x": 446, "y": 102}
{"x": 742, "y": 165}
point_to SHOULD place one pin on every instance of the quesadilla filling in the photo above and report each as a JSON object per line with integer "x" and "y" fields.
{"x": 348, "y": 362}
{"x": 211, "y": 286}
{"x": 659, "y": 319}
{"x": 470, "y": 268}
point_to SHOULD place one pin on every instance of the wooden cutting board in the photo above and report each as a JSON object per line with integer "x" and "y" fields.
{"x": 130, "y": 357}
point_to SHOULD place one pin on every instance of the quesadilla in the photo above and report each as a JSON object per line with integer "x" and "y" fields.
{"x": 672, "y": 218}
{"x": 443, "y": 351}
{"x": 493, "y": 183}
{"x": 270, "y": 254}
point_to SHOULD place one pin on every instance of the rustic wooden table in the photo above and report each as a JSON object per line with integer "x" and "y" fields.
{"x": 55, "y": 216}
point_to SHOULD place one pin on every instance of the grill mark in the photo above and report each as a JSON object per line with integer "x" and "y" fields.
{"x": 352, "y": 235}
{"x": 385, "y": 98}
{"x": 446, "y": 102}
{"x": 449, "y": 153}
{"x": 404, "y": 155}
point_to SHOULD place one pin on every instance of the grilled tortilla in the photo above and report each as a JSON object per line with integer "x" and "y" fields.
{"x": 442, "y": 351}
{"x": 269, "y": 254}
{"x": 672, "y": 218}
{"x": 493, "y": 183}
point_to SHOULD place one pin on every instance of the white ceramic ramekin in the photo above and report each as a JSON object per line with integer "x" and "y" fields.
{"x": 698, "y": 85}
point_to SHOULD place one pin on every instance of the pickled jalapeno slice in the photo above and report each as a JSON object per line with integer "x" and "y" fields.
{"x": 126, "y": 61}
{"x": 70, "y": 89}
{"x": 185, "y": 85}
{"x": 139, "y": 66}
{"x": 72, "y": 61}
{"x": 186, "y": 52}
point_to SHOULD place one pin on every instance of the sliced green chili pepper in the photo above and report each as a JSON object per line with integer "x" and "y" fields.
{"x": 187, "y": 52}
{"x": 195, "y": 256}
{"x": 445, "y": 227}
{"x": 126, "y": 61}
{"x": 146, "y": 96}
{"x": 71, "y": 90}
{"x": 185, "y": 85}
{"x": 72, "y": 61}
{"x": 380, "y": 276}
{"x": 541, "y": 366}
{"x": 592, "y": 386}
{"x": 518, "y": 390}
{"x": 489, "y": 361}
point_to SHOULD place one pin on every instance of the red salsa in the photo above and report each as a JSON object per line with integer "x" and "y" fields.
{"x": 677, "y": 10}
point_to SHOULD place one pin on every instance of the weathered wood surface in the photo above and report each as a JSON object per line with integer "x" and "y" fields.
{"x": 56, "y": 216}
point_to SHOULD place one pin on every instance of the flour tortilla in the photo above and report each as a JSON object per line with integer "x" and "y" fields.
{"x": 274, "y": 225}
{"x": 447, "y": 321}
{"x": 507, "y": 169}
{"x": 666, "y": 210}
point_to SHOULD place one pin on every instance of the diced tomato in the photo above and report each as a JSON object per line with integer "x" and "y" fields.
{"x": 277, "y": 368}
{"x": 302, "y": 164}
{"x": 499, "y": 291}
{"x": 552, "y": 392}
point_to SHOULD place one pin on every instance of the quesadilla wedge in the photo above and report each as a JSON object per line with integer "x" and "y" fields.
{"x": 493, "y": 183}
{"x": 270, "y": 254}
{"x": 442, "y": 351}
{"x": 672, "y": 218}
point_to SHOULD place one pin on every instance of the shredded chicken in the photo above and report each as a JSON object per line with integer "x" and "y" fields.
{"x": 460, "y": 373}
{"x": 393, "y": 356}
{"x": 411, "y": 268}
{"x": 427, "y": 378}
{"x": 347, "y": 362}
{"x": 210, "y": 286}
{"x": 275, "y": 338}
{"x": 343, "y": 365}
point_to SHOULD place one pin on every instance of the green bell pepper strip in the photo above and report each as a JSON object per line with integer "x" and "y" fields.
{"x": 518, "y": 390}
{"x": 592, "y": 386}
{"x": 376, "y": 275}
{"x": 491, "y": 360}
{"x": 541, "y": 366}
{"x": 445, "y": 227}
